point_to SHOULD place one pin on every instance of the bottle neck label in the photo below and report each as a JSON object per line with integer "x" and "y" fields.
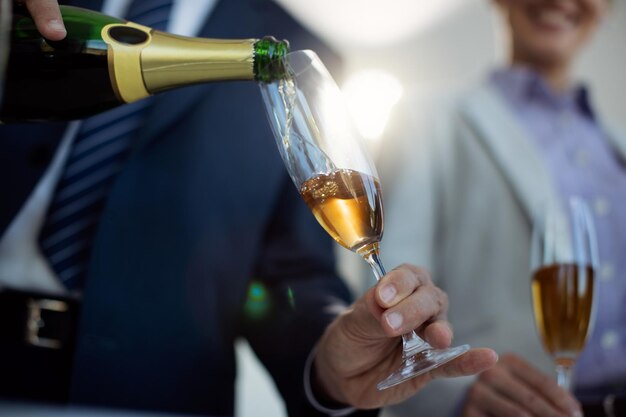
{"x": 143, "y": 61}
{"x": 125, "y": 44}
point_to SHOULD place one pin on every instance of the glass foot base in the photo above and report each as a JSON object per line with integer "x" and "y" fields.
{"x": 420, "y": 363}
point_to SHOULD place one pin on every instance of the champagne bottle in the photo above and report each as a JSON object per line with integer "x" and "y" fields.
{"x": 105, "y": 62}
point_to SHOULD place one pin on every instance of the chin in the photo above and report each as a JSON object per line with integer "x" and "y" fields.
{"x": 548, "y": 53}
{"x": 552, "y": 60}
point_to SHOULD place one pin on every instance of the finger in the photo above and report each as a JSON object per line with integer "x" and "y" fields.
{"x": 491, "y": 403}
{"x": 426, "y": 304}
{"x": 472, "y": 411}
{"x": 399, "y": 284}
{"x": 542, "y": 383}
{"x": 48, "y": 20}
{"x": 470, "y": 363}
{"x": 438, "y": 334}
{"x": 370, "y": 324}
{"x": 499, "y": 379}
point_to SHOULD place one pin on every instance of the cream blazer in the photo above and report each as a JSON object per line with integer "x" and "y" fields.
{"x": 461, "y": 186}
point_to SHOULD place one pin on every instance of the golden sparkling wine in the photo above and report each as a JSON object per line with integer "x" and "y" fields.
{"x": 348, "y": 204}
{"x": 562, "y": 300}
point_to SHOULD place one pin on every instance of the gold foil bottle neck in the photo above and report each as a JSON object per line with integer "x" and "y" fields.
{"x": 143, "y": 61}
{"x": 171, "y": 61}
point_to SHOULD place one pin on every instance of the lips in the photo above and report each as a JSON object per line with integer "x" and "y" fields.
{"x": 552, "y": 19}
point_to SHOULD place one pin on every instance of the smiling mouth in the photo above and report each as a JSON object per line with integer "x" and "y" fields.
{"x": 553, "y": 19}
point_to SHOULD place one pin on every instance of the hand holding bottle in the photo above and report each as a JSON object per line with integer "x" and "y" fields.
{"x": 360, "y": 347}
{"x": 47, "y": 16}
{"x": 117, "y": 62}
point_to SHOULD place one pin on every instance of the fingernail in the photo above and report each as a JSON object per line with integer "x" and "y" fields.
{"x": 575, "y": 409}
{"x": 394, "y": 320}
{"x": 387, "y": 293}
{"x": 56, "y": 25}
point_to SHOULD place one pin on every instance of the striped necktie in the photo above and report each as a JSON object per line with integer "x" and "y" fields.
{"x": 96, "y": 157}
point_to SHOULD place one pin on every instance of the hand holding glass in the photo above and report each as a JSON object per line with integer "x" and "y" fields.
{"x": 330, "y": 166}
{"x": 563, "y": 263}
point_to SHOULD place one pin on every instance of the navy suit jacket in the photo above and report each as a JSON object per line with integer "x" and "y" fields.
{"x": 202, "y": 209}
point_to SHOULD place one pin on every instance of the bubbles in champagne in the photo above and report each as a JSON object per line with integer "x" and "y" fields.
{"x": 348, "y": 205}
{"x": 323, "y": 190}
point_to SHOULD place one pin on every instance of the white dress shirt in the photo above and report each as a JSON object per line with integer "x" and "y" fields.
{"x": 22, "y": 265}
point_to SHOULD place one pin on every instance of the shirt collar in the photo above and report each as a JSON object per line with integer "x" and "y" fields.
{"x": 520, "y": 85}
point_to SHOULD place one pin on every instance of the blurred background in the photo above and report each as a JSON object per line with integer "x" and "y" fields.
{"x": 429, "y": 45}
{"x": 400, "y": 48}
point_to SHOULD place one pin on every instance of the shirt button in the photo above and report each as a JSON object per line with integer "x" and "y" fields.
{"x": 609, "y": 339}
{"x": 601, "y": 206}
{"x": 606, "y": 272}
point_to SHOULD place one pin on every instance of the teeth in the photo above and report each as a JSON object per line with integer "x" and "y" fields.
{"x": 554, "y": 18}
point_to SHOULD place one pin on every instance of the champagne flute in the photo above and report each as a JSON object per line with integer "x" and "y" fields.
{"x": 564, "y": 259}
{"x": 330, "y": 166}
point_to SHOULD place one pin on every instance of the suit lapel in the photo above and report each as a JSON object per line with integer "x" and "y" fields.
{"x": 517, "y": 157}
{"x": 617, "y": 139}
{"x": 27, "y": 150}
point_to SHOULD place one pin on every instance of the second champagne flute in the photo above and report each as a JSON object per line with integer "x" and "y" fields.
{"x": 330, "y": 166}
{"x": 564, "y": 261}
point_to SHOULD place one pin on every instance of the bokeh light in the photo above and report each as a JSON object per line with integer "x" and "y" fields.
{"x": 257, "y": 302}
{"x": 371, "y": 96}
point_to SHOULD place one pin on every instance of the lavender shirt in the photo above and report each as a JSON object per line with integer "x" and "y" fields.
{"x": 582, "y": 162}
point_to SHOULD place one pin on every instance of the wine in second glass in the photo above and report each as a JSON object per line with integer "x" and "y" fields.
{"x": 562, "y": 303}
{"x": 332, "y": 170}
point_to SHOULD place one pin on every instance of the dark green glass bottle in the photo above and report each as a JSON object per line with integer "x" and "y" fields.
{"x": 105, "y": 62}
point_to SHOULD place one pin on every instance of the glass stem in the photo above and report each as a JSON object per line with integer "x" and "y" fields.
{"x": 411, "y": 342}
{"x": 564, "y": 376}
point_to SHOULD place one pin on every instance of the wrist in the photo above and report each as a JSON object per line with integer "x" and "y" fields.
{"x": 319, "y": 394}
